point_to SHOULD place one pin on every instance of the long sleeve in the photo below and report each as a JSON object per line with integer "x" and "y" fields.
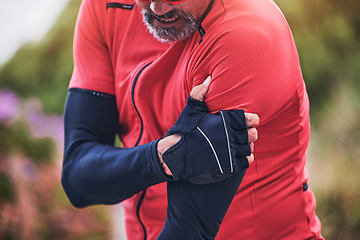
{"x": 195, "y": 212}
{"x": 94, "y": 171}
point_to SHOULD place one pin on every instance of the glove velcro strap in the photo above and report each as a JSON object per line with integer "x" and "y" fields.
{"x": 190, "y": 117}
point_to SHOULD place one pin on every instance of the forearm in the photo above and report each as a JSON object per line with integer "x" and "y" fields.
{"x": 196, "y": 211}
{"x": 101, "y": 174}
{"x": 94, "y": 171}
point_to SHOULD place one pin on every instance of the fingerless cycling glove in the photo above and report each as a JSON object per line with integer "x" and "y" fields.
{"x": 212, "y": 146}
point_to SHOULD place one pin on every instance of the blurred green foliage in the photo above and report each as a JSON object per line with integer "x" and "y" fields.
{"x": 19, "y": 140}
{"x": 327, "y": 34}
{"x": 7, "y": 192}
{"x": 340, "y": 214}
{"x": 43, "y": 69}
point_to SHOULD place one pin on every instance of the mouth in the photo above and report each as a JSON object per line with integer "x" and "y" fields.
{"x": 167, "y": 22}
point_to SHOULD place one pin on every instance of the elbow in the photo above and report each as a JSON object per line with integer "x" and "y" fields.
{"x": 73, "y": 180}
{"x": 73, "y": 190}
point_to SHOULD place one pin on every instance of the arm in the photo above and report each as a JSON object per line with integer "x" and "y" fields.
{"x": 94, "y": 171}
{"x": 198, "y": 93}
{"x": 196, "y": 211}
{"x": 247, "y": 73}
{"x": 253, "y": 67}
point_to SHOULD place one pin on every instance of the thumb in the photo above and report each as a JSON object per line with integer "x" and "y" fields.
{"x": 199, "y": 91}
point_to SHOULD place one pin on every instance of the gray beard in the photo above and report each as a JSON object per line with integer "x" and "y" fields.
{"x": 170, "y": 35}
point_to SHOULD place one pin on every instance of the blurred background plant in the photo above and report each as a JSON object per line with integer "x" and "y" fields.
{"x": 33, "y": 88}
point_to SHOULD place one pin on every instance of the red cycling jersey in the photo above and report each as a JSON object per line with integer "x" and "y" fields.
{"x": 248, "y": 49}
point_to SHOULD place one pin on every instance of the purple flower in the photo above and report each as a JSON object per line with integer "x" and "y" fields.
{"x": 9, "y": 105}
{"x": 43, "y": 125}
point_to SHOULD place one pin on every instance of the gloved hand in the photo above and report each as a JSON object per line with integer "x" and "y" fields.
{"x": 195, "y": 211}
{"x": 212, "y": 146}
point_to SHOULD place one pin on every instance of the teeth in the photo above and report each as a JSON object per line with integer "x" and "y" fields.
{"x": 169, "y": 20}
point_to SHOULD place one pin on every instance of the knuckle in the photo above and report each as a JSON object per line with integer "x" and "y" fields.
{"x": 250, "y": 158}
{"x": 253, "y": 134}
{"x": 252, "y": 146}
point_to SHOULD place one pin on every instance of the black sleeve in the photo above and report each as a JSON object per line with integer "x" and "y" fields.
{"x": 195, "y": 212}
{"x": 94, "y": 171}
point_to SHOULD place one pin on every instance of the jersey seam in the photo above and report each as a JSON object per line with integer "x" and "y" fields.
{"x": 93, "y": 93}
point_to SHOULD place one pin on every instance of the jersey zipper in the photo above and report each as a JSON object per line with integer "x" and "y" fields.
{"x": 133, "y": 102}
{"x": 136, "y": 144}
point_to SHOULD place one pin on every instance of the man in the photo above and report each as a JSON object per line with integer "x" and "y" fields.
{"x": 146, "y": 72}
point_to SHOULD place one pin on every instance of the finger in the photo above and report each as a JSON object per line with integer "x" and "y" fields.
{"x": 252, "y": 135}
{"x": 163, "y": 145}
{"x": 250, "y": 158}
{"x": 252, "y": 146}
{"x": 207, "y": 81}
{"x": 199, "y": 91}
{"x": 252, "y": 119}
